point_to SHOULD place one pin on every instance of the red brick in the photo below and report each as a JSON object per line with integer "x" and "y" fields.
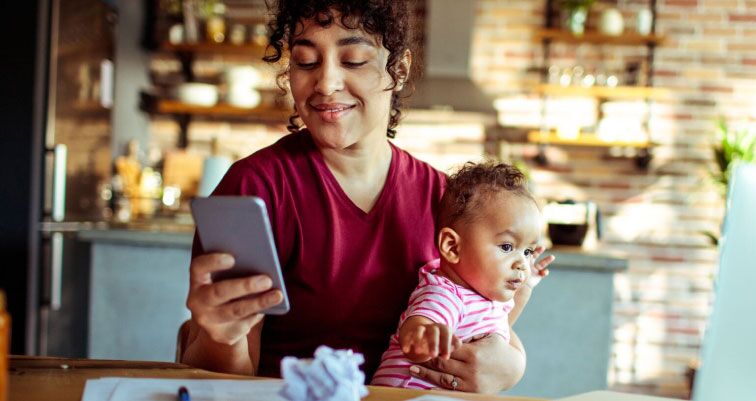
{"x": 749, "y": 61}
{"x": 719, "y": 89}
{"x": 743, "y": 17}
{"x": 681, "y": 3}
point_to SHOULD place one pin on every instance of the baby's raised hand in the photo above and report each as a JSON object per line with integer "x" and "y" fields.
{"x": 539, "y": 269}
{"x": 424, "y": 342}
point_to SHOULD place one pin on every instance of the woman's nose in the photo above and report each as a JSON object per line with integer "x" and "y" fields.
{"x": 330, "y": 79}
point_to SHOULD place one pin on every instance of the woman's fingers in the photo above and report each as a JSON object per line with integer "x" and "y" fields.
{"x": 244, "y": 308}
{"x": 441, "y": 372}
{"x": 224, "y": 291}
{"x": 202, "y": 266}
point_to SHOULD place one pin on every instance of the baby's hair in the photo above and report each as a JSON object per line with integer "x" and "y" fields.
{"x": 473, "y": 184}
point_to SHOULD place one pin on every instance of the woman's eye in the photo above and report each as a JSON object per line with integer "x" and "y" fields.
{"x": 354, "y": 64}
{"x": 306, "y": 65}
{"x": 506, "y": 247}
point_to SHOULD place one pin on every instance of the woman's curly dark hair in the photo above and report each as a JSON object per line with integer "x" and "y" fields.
{"x": 387, "y": 19}
{"x": 473, "y": 184}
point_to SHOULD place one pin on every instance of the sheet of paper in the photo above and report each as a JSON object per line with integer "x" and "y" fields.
{"x": 131, "y": 389}
{"x": 612, "y": 396}
{"x": 433, "y": 397}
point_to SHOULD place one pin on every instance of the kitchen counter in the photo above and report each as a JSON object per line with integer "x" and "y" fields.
{"x": 140, "y": 279}
{"x": 173, "y": 233}
{"x": 142, "y": 233}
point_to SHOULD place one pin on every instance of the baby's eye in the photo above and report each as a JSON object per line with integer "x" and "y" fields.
{"x": 506, "y": 247}
{"x": 529, "y": 252}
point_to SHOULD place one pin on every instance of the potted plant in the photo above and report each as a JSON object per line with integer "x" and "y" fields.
{"x": 576, "y": 14}
{"x": 732, "y": 147}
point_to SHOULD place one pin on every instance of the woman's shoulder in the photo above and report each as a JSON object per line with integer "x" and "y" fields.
{"x": 287, "y": 148}
{"x": 412, "y": 167}
{"x": 268, "y": 165}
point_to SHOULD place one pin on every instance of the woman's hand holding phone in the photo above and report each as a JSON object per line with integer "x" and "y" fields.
{"x": 227, "y": 310}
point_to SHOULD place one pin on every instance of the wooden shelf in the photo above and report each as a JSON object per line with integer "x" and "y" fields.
{"x": 583, "y": 140}
{"x": 260, "y": 113}
{"x": 263, "y": 113}
{"x": 606, "y": 92}
{"x": 247, "y": 49}
{"x": 90, "y": 107}
{"x": 626, "y": 39}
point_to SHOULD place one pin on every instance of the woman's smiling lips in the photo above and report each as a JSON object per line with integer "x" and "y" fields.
{"x": 332, "y": 112}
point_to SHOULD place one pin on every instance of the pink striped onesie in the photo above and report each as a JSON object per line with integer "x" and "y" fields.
{"x": 437, "y": 298}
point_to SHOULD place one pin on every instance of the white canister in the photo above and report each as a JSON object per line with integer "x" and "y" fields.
{"x": 611, "y": 22}
{"x": 644, "y": 21}
{"x": 176, "y": 34}
{"x": 213, "y": 170}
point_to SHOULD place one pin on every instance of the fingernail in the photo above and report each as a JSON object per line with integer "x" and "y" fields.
{"x": 264, "y": 283}
{"x": 414, "y": 369}
{"x": 227, "y": 259}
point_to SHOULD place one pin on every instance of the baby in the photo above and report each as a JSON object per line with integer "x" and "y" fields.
{"x": 489, "y": 225}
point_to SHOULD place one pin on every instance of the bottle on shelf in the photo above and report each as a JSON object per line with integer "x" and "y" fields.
{"x": 215, "y": 26}
{"x": 5, "y": 333}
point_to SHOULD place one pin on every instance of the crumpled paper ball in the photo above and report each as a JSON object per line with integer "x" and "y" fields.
{"x": 333, "y": 375}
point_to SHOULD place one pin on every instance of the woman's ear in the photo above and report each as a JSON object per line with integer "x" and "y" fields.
{"x": 448, "y": 244}
{"x": 403, "y": 70}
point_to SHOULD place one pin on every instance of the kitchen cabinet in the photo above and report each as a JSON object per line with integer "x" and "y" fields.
{"x": 139, "y": 280}
{"x": 548, "y": 35}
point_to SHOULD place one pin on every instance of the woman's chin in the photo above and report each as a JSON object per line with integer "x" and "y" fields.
{"x": 331, "y": 138}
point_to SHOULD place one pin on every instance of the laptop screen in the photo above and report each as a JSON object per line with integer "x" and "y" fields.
{"x": 728, "y": 355}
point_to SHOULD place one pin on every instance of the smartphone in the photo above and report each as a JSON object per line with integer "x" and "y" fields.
{"x": 239, "y": 225}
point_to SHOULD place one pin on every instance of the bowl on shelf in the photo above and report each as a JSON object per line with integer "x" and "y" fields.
{"x": 243, "y": 96}
{"x": 197, "y": 94}
{"x": 242, "y": 75}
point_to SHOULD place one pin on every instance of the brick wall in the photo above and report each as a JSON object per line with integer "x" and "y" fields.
{"x": 656, "y": 217}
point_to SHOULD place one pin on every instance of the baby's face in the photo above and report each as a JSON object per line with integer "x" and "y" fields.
{"x": 496, "y": 248}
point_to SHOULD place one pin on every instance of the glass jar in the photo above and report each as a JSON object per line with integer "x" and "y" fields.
{"x": 5, "y": 326}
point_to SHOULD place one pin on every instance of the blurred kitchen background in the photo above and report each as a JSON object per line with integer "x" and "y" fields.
{"x": 116, "y": 113}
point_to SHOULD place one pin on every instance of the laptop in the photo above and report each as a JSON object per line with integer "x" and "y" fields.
{"x": 728, "y": 352}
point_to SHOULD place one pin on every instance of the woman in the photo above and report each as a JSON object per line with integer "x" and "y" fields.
{"x": 353, "y": 216}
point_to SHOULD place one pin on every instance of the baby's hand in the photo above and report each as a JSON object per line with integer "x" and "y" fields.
{"x": 539, "y": 269}
{"x": 427, "y": 341}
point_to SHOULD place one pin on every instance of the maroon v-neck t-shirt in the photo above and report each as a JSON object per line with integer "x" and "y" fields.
{"x": 348, "y": 273}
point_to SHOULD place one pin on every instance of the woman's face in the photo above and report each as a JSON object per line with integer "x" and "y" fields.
{"x": 339, "y": 83}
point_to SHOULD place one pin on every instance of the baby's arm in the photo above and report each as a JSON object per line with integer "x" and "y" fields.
{"x": 422, "y": 339}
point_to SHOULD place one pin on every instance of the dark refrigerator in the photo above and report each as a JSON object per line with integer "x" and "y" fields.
{"x": 73, "y": 166}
